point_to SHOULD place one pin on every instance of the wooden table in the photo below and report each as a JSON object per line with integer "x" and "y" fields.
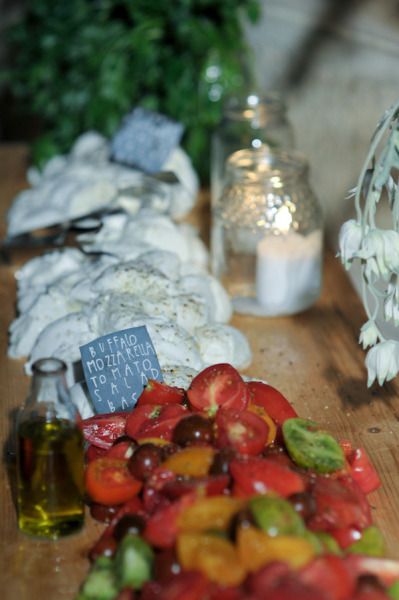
{"x": 313, "y": 358}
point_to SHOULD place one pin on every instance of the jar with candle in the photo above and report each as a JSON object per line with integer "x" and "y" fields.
{"x": 267, "y": 236}
{"x": 248, "y": 122}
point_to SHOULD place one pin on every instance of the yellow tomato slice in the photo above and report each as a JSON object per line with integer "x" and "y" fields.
{"x": 256, "y": 549}
{"x": 214, "y": 512}
{"x": 153, "y": 440}
{"x": 260, "y": 411}
{"x": 194, "y": 461}
{"x": 215, "y": 557}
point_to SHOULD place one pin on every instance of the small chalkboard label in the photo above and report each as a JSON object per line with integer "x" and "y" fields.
{"x": 118, "y": 366}
{"x": 145, "y": 139}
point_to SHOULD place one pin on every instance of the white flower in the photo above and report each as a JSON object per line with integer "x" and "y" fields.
{"x": 369, "y": 334}
{"x": 350, "y": 238}
{"x": 391, "y": 309}
{"x": 383, "y": 245}
{"x": 382, "y": 362}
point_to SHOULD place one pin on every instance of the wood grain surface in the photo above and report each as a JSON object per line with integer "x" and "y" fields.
{"x": 313, "y": 358}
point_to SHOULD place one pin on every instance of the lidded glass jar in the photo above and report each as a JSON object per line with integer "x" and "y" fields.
{"x": 248, "y": 121}
{"x": 266, "y": 239}
{"x": 49, "y": 456}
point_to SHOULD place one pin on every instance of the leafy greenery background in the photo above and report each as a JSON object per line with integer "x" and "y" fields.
{"x": 83, "y": 64}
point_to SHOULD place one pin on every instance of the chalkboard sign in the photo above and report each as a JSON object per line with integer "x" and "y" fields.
{"x": 145, "y": 139}
{"x": 118, "y": 366}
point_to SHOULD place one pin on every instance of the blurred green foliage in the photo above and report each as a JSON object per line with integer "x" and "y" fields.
{"x": 83, "y": 64}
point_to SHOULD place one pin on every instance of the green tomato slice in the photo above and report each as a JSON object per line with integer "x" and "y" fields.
{"x": 312, "y": 448}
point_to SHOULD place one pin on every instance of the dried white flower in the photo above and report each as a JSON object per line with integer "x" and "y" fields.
{"x": 382, "y": 362}
{"x": 369, "y": 334}
{"x": 383, "y": 245}
{"x": 350, "y": 238}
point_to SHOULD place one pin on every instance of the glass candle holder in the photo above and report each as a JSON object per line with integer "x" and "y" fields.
{"x": 248, "y": 121}
{"x": 267, "y": 238}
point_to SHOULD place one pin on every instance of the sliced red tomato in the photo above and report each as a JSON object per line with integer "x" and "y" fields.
{"x": 345, "y": 536}
{"x": 187, "y": 585}
{"x": 93, "y": 452}
{"x": 264, "y": 580}
{"x": 340, "y": 503}
{"x": 244, "y": 431}
{"x": 257, "y": 475}
{"x": 275, "y": 404}
{"x": 108, "y": 481}
{"x": 363, "y": 471}
{"x": 123, "y": 450}
{"x": 156, "y": 392}
{"x": 103, "y": 430}
{"x": 216, "y": 386}
{"x": 329, "y": 574}
{"x": 152, "y": 492}
{"x": 385, "y": 569}
{"x": 154, "y": 421}
{"x": 161, "y": 529}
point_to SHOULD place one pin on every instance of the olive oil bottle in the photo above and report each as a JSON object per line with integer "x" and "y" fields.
{"x": 49, "y": 456}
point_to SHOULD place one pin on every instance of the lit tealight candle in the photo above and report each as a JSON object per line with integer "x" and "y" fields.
{"x": 288, "y": 272}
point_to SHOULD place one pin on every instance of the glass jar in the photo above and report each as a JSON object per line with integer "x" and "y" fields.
{"x": 266, "y": 242}
{"x": 248, "y": 122}
{"x": 49, "y": 456}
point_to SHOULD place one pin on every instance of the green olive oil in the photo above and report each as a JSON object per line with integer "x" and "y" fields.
{"x": 50, "y": 478}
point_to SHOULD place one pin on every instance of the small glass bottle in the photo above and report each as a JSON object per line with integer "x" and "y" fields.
{"x": 49, "y": 456}
{"x": 248, "y": 122}
{"x": 267, "y": 236}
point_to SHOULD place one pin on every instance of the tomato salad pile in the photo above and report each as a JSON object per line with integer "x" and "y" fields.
{"x": 222, "y": 492}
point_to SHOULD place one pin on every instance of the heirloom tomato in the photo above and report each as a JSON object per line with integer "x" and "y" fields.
{"x": 257, "y": 475}
{"x": 244, "y": 431}
{"x": 216, "y": 386}
{"x": 103, "y": 430}
{"x": 154, "y": 421}
{"x": 273, "y": 401}
{"x": 330, "y": 574}
{"x": 363, "y": 471}
{"x": 162, "y": 528}
{"x": 193, "y": 461}
{"x": 339, "y": 504}
{"x": 214, "y": 556}
{"x": 108, "y": 481}
{"x": 157, "y": 392}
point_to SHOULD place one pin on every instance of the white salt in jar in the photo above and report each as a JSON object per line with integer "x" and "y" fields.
{"x": 267, "y": 237}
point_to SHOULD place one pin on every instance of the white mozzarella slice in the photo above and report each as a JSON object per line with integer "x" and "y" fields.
{"x": 223, "y": 343}
{"x": 209, "y": 288}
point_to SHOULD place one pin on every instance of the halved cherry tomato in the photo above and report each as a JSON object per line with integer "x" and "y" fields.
{"x": 266, "y": 579}
{"x": 209, "y": 513}
{"x": 257, "y": 549}
{"x": 161, "y": 530}
{"x": 194, "y": 461}
{"x": 103, "y": 430}
{"x": 154, "y": 421}
{"x": 244, "y": 431}
{"x": 216, "y": 386}
{"x": 108, "y": 481}
{"x": 260, "y": 411}
{"x": 156, "y": 392}
{"x": 339, "y": 504}
{"x": 331, "y": 575}
{"x": 363, "y": 471}
{"x": 273, "y": 401}
{"x": 257, "y": 475}
{"x": 213, "y": 556}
